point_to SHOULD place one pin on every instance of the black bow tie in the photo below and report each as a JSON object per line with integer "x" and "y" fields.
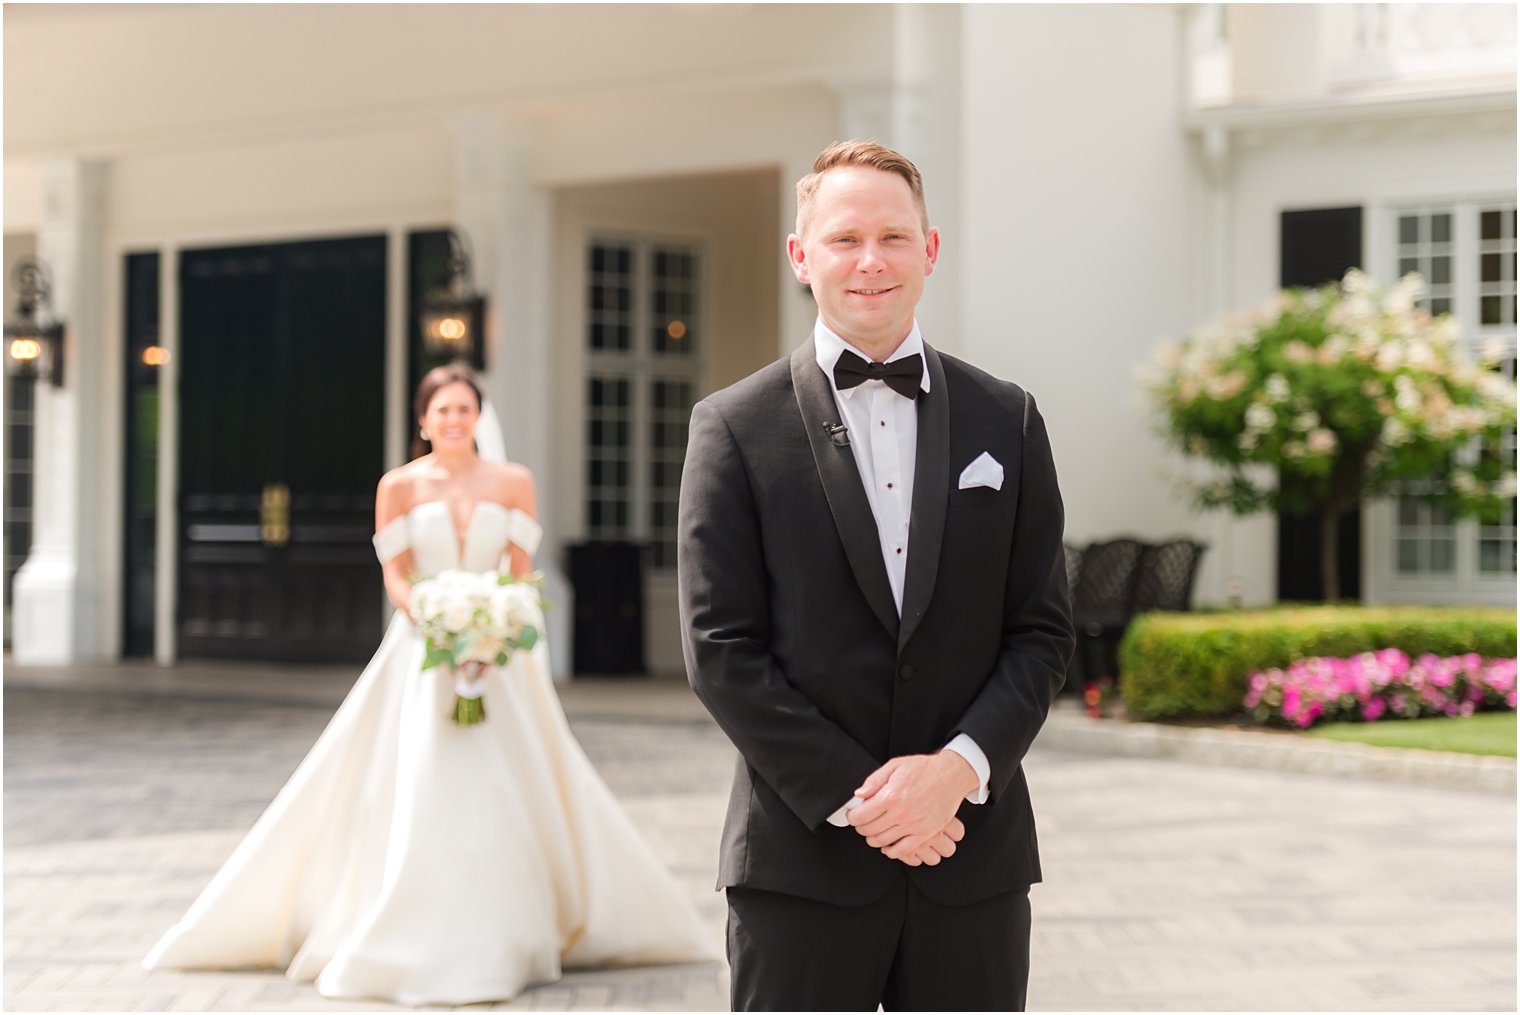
{"x": 904, "y": 376}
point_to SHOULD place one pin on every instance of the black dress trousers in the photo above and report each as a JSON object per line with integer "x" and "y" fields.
{"x": 903, "y": 952}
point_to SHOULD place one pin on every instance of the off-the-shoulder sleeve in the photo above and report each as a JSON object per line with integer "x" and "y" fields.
{"x": 523, "y": 530}
{"x": 392, "y": 541}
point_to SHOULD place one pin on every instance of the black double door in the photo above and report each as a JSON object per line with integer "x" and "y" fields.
{"x": 281, "y": 443}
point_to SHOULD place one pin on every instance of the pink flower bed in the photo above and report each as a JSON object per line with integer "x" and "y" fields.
{"x": 1378, "y": 685}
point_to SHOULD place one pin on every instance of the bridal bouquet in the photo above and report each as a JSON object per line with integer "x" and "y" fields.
{"x": 471, "y": 620}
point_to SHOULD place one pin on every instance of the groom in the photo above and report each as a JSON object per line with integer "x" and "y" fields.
{"x": 874, "y": 609}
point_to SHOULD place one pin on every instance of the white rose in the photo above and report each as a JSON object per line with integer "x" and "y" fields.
{"x": 457, "y": 615}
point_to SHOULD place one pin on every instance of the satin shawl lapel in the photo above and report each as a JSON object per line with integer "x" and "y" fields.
{"x": 931, "y": 497}
{"x": 841, "y": 484}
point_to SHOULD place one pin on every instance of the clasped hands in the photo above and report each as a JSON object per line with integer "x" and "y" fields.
{"x": 910, "y": 805}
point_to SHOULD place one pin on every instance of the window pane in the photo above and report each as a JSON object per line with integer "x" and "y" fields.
{"x": 1490, "y": 556}
{"x": 1491, "y": 310}
{"x": 1443, "y": 556}
{"x": 1407, "y": 265}
{"x": 1440, "y": 270}
{"x": 1440, "y": 305}
{"x": 1409, "y": 229}
{"x": 673, "y": 299}
{"x": 1409, "y": 556}
{"x": 1489, "y": 227}
{"x": 1493, "y": 268}
{"x": 1409, "y": 511}
{"x": 1440, "y": 229}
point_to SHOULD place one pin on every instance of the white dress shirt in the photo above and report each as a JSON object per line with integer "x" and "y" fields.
{"x": 883, "y": 434}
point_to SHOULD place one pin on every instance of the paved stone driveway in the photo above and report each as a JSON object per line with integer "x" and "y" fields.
{"x": 1169, "y": 886}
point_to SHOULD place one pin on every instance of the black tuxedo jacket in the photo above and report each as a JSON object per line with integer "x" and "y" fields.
{"x": 793, "y": 642}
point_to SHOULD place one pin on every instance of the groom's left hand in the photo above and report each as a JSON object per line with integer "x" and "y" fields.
{"x": 910, "y": 800}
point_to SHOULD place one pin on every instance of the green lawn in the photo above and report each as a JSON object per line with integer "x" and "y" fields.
{"x": 1484, "y": 733}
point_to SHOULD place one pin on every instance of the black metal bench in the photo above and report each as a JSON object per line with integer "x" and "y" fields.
{"x": 1111, "y": 582}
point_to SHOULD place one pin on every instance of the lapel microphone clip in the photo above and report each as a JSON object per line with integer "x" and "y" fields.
{"x": 838, "y": 433}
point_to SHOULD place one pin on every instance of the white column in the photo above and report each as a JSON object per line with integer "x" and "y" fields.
{"x": 508, "y": 221}
{"x": 915, "y": 108}
{"x": 797, "y": 311}
{"x": 166, "y": 524}
{"x": 56, "y": 618}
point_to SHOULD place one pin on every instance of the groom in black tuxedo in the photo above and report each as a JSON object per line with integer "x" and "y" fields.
{"x": 874, "y": 609}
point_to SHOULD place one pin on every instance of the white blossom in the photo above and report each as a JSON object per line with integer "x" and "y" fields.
{"x": 1492, "y": 353}
{"x": 1321, "y": 441}
{"x": 1298, "y": 352}
{"x": 1406, "y": 395}
{"x": 1396, "y": 432}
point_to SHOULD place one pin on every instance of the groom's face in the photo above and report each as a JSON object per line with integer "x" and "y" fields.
{"x": 865, "y": 252}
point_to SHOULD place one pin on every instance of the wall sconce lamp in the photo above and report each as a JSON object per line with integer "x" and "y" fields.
{"x": 453, "y": 317}
{"x": 33, "y": 336}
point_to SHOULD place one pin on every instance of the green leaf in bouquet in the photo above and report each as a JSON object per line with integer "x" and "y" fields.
{"x": 501, "y": 658}
{"x": 437, "y": 655}
{"x": 462, "y": 646}
{"x": 528, "y": 638}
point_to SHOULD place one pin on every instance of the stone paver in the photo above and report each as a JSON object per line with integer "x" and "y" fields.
{"x": 1170, "y": 884}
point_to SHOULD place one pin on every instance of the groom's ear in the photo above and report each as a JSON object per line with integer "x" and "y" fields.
{"x": 797, "y": 258}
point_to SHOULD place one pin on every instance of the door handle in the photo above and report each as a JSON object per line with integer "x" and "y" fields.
{"x": 274, "y": 514}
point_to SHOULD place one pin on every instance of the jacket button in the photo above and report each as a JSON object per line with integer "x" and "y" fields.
{"x": 906, "y": 673}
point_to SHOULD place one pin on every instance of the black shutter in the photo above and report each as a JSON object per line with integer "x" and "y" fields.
{"x": 1318, "y": 245}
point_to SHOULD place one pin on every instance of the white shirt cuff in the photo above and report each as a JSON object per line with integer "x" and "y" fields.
{"x": 966, "y": 748}
{"x": 838, "y": 817}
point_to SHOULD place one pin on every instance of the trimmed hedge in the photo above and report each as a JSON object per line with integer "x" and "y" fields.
{"x": 1181, "y": 665}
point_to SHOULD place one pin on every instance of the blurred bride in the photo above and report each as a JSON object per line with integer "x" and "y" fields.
{"x": 420, "y": 862}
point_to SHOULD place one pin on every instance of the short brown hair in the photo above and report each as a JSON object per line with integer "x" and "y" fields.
{"x": 859, "y": 153}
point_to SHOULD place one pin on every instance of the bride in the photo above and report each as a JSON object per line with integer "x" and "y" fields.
{"x": 412, "y": 860}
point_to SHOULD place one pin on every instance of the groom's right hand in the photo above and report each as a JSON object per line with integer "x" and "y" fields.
{"x": 940, "y": 847}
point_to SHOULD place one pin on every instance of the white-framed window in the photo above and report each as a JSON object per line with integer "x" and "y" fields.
{"x": 644, "y": 347}
{"x": 1466, "y": 251}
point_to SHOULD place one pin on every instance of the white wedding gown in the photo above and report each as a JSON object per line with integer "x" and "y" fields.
{"x": 416, "y": 861}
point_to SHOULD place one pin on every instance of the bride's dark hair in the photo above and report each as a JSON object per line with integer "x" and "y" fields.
{"x": 438, "y": 377}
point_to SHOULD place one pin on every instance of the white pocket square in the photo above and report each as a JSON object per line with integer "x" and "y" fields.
{"x": 984, "y": 471}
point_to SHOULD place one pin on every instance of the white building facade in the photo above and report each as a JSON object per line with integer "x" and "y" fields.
{"x": 1105, "y": 177}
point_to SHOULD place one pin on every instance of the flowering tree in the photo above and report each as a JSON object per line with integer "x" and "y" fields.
{"x": 1324, "y": 398}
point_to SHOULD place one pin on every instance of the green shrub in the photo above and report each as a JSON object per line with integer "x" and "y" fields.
{"x": 1179, "y": 665}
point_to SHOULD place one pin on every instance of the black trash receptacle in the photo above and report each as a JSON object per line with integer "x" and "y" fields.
{"x": 608, "y": 577}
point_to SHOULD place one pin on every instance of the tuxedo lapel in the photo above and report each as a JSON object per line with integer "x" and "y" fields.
{"x": 841, "y": 484}
{"x": 931, "y": 495}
